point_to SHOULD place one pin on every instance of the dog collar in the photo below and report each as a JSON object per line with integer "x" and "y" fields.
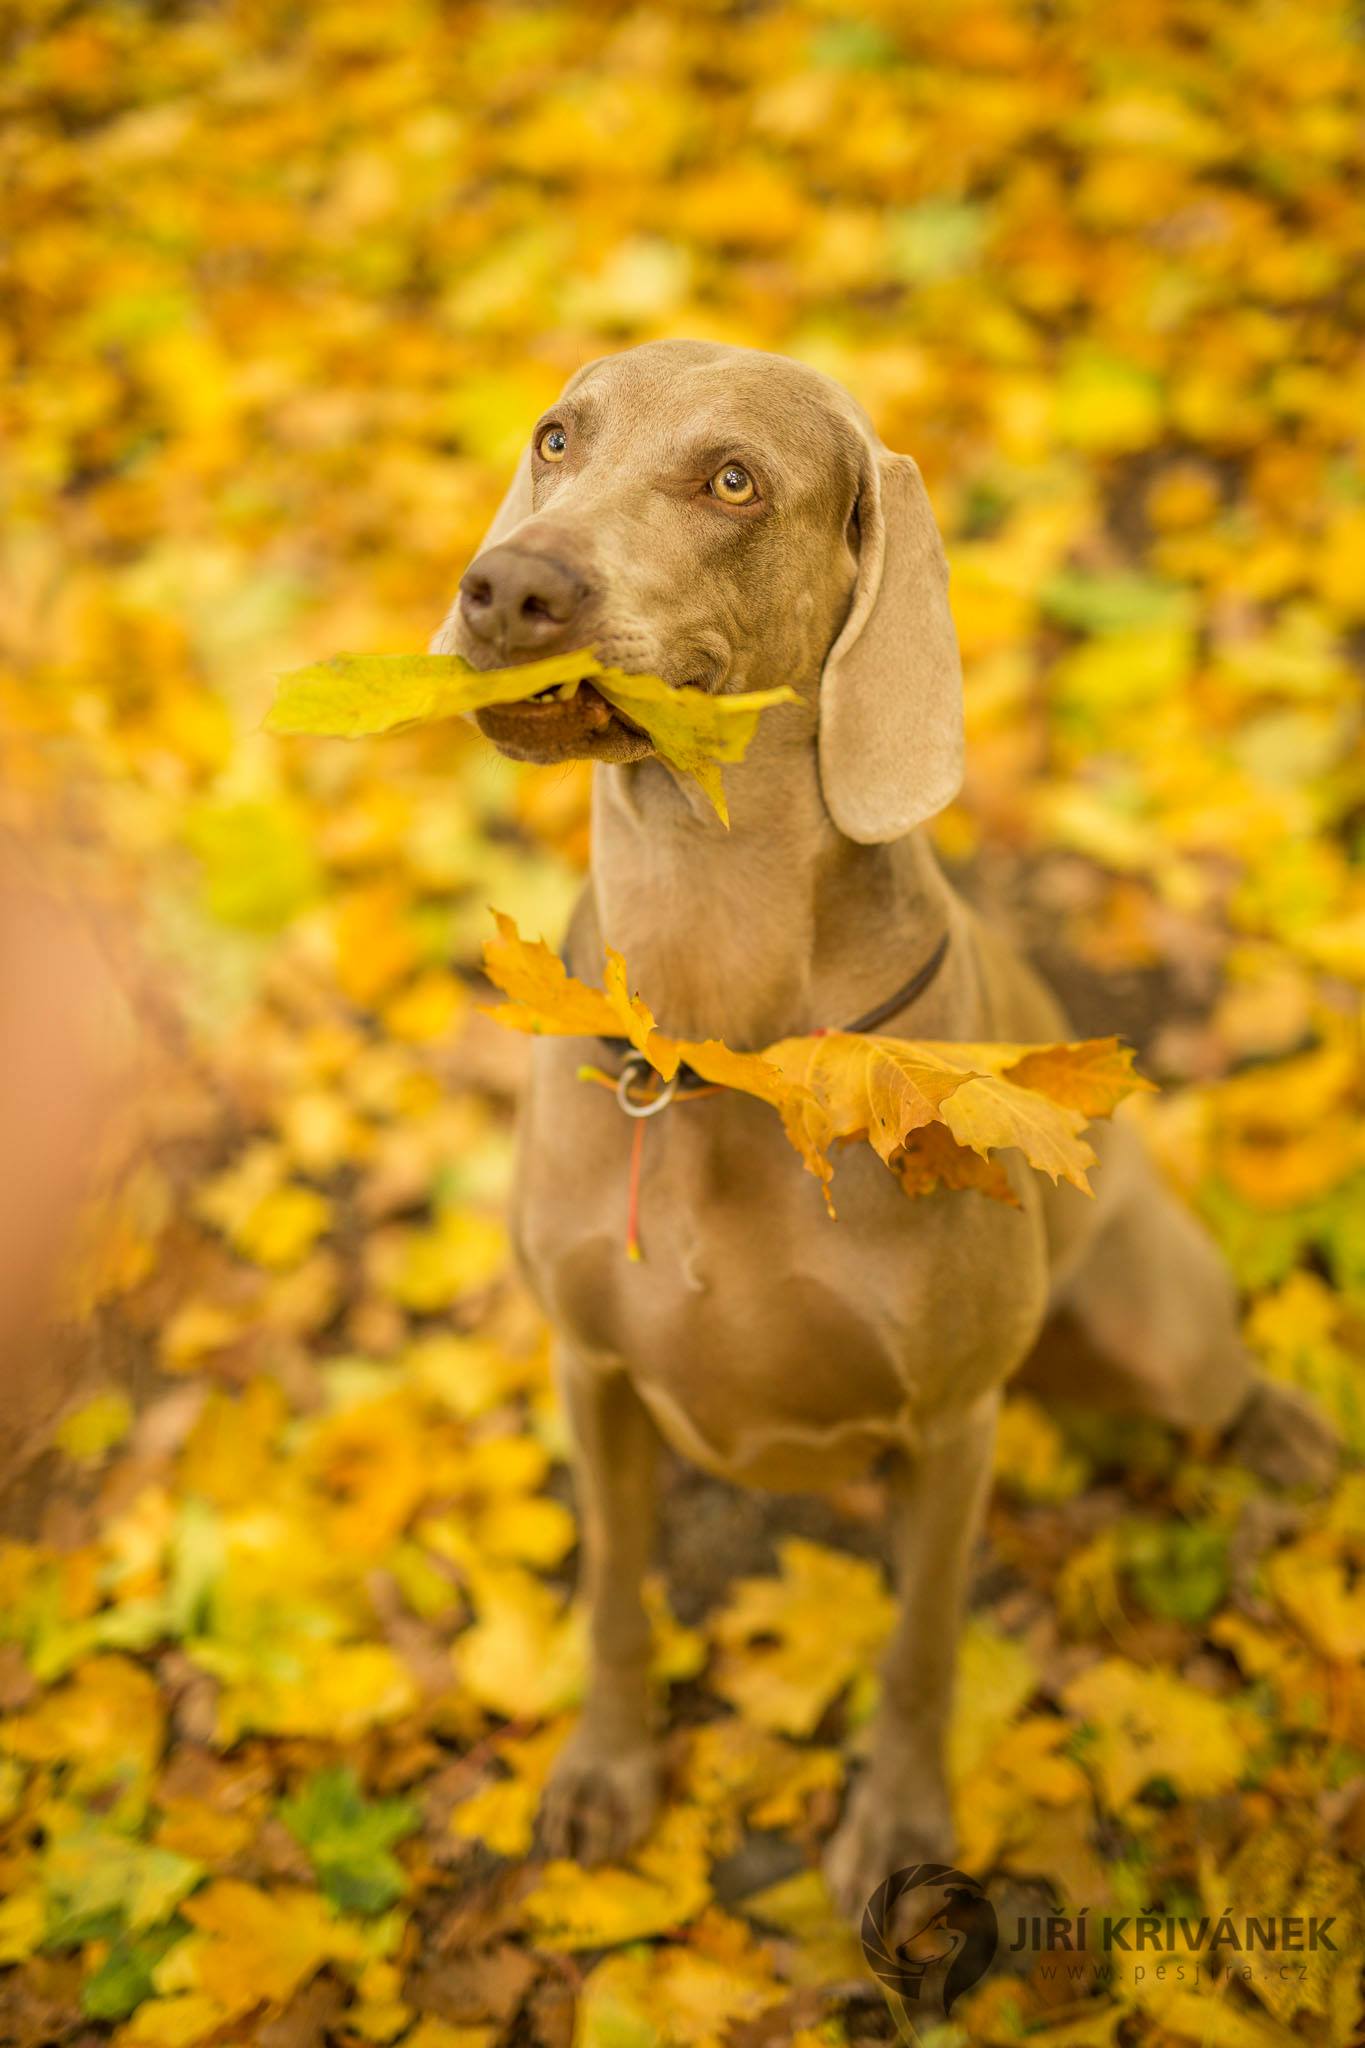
{"x": 635, "y": 1071}
{"x": 635, "y": 1068}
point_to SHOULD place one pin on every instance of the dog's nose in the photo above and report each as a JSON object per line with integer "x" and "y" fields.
{"x": 522, "y": 603}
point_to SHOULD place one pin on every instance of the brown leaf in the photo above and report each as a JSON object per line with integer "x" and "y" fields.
{"x": 477, "y": 1984}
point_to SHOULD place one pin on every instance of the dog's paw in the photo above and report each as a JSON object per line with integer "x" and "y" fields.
{"x": 1284, "y": 1438}
{"x": 598, "y": 1804}
{"x": 882, "y": 1832}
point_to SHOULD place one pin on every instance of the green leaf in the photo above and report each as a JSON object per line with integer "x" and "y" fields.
{"x": 1343, "y": 1237}
{"x": 350, "y": 1839}
{"x": 938, "y": 238}
{"x": 259, "y": 867}
{"x": 125, "y": 1977}
{"x": 1114, "y": 604}
{"x": 99, "y": 1882}
{"x": 853, "y": 46}
{"x": 1261, "y": 1246}
{"x": 1179, "y": 1571}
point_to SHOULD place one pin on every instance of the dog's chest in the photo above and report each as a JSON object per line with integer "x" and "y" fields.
{"x": 771, "y": 1343}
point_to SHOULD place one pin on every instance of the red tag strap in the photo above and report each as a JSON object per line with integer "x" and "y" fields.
{"x": 637, "y": 1146}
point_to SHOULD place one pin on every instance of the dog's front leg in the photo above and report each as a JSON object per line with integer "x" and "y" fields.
{"x": 899, "y": 1812}
{"x": 604, "y": 1788}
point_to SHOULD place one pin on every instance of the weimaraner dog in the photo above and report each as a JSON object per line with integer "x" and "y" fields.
{"x": 728, "y": 519}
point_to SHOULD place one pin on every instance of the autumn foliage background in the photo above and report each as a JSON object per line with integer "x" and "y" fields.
{"x": 285, "y": 1643}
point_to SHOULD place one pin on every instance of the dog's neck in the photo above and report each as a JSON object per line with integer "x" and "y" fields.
{"x": 778, "y": 926}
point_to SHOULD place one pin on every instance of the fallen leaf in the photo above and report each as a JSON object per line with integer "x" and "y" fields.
{"x": 650, "y": 1995}
{"x": 91, "y": 1874}
{"x": 1152, "y": 1725}
{"x": 255, "y": 1945}
{"x": 350, "y": 1839}
{"x": 665, "y": 1884}
{"x": 765, "y": 1630}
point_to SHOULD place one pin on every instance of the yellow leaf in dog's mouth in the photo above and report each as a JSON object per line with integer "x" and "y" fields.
{"x": 357, "y": 696}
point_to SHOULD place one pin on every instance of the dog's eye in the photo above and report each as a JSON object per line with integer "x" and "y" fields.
{"x": 733, "y": 485}
{"x": 552, "y": 444}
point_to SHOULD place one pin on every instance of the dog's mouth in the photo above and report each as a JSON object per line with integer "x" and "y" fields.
{"x": 553, "y": 726}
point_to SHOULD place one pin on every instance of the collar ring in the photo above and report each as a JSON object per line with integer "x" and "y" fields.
{"x": 633, "y": 1071}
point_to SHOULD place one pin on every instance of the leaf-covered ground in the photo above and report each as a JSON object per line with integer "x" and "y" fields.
{"x": 286, "y": 1641}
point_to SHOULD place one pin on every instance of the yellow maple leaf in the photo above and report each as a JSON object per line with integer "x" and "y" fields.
{"x": 354, "y": 695}
{"x": 666, "y": 1884}
{"x": 1092, "y": 1076}
{"x": 998, "y": 1802}
{"x": 23, "y": 1922}
{"x": 680, "y": 1994}
{"x": 106, "y": 1725}
{"x": 693, "y": 730}
{"x": 338, "y": 1691}
{"x": 428, "y": 1270}
{"x": 433, "y": 2033}
{"x": 740, "y": 1773}
{"x": 256, "y": 1944}
{"x": 524, "y": 1654}
{"x": 1152, "y": 1724}
{"x": 176, "y": 2021}
{"x": 547, "y": 999}
{"x": 269, "y": 1219}
{"x": 1314, "y": 1587}
{"x": 379, "y": 2013}
{"x": 880, "y": 1089}
{"x": 839, "y": 1086}
{"x": 196, "y": 1329}
{"x": 1031, "y": 1455}
{"x": 502, "y": 1812}
{"x": 996, "y": 1674}
{"x": 91, "y": 1430}
{"x": 824, "y": 1949}
{"x": 545, "y": 996}
{"x": 765, "y": 1632}
{"x": 992, "y": 1113}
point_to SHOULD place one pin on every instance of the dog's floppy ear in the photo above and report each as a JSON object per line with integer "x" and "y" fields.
{"x": 515, "y": 507}
{"x": 891, "y": 693}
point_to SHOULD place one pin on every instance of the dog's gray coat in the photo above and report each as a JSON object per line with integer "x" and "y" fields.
{"x": 772, "y": 1345}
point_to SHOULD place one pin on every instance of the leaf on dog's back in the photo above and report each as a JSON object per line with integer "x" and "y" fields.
{"x": 988, "y": 1113}
{"x": 934, "y": 1112}
{"x": 932, "y": 1158}
{"x": 635, "y": 1019}
{"x": 874, "y": 1088}
{"x": 1091, "y": 1074}
{"x": 545, "y": 996}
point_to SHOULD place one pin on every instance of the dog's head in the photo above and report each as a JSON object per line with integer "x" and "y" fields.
{"x": 725, "y": 518}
